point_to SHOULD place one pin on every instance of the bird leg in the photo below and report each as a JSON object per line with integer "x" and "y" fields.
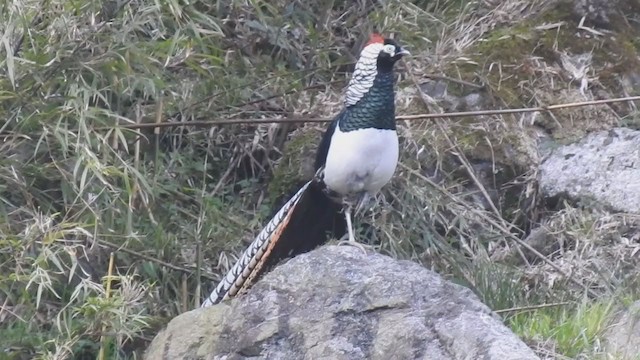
{"x": 360, "y": 199}
{"x": 347, "y": 216}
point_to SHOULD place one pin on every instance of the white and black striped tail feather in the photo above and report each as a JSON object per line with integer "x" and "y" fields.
{"x": 241, "y": 271}
{"x": 308, "y": 219}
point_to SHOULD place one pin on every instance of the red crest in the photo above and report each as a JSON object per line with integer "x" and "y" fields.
{"x": 375, "y": 38}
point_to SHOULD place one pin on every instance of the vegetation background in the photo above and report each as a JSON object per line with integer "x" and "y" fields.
{"x": 85, "y": 175}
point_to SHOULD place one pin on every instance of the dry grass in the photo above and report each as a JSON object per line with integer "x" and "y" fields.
{"x": 177, "y": 206}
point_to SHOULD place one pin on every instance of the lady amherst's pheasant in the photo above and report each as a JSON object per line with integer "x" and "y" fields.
{"x": 357, "y": 156}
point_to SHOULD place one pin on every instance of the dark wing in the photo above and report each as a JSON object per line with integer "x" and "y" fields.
{"x": 323, "y": 148}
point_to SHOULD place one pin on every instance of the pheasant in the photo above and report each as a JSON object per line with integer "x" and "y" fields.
{"x": 357, "y": 156}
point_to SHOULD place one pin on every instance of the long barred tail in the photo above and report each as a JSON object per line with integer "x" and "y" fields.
{"x": 307, "y": 220}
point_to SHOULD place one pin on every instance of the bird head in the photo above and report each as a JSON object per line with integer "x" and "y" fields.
{"x": 382, "y": 52}
{"x": 378, "y": 56}
{"x": 386, "y": 51}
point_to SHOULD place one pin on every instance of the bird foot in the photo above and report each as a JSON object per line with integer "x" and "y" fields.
{"x": 349, "y": 239}
{"x": 365, "y": 248}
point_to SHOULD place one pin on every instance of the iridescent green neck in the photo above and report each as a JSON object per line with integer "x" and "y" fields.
{"x": 376, "y": 108}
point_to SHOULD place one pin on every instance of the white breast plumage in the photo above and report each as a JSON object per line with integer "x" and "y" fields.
{"x": 361, "y": 160}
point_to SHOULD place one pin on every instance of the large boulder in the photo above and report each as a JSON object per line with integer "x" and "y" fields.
{"x": 338, "y": 303}
{"x": 604, "y": 166}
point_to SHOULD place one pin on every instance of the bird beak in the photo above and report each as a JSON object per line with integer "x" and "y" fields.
{"x": 403, "y": 51}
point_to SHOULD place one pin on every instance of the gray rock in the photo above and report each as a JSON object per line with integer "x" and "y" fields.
{"x": 604, "y": 166}
{"x": 598, "y": 11}
{"x": 438, "y": 90}
{"x": 338, "y": 303}
{"x": 623, "y": 336}
{"x": 616, "y": 15}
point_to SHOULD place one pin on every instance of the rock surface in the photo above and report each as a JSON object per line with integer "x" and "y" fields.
{"x": 598, "y": 11}
{"x": 608, "y": 14}
{"x": 338, "y": 303}
{"x": 623, "y": 336}
{"x": 603, "y": 166}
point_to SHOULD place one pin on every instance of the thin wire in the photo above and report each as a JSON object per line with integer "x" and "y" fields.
{"x": 253, "y": 121}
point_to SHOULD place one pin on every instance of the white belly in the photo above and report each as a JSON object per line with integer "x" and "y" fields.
{"x": 361, "y": 160}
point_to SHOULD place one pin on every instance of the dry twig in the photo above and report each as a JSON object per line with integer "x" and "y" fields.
{"x": 531, "y": 307}
{"x": 152, "y": 259}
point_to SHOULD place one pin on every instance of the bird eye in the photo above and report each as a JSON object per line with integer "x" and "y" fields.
{"x": 389, "y": 49}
